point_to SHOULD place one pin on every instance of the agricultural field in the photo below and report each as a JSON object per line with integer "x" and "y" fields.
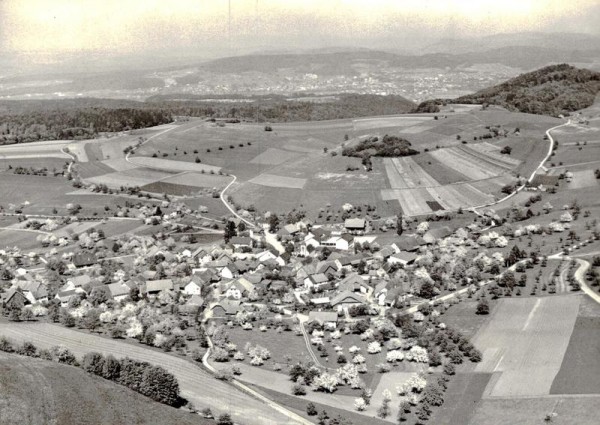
{"x": 577, "y": 373}
{"x": 300, "y": 163}
{"x": 524, "y": 343}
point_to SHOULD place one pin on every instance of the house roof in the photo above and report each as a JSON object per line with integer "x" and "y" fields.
{"x": 118, "y": 289}
{"x": 12, "y": 293}
{"x": 322, "y": 316}
{"x": 409, "y": 243}
{"x": 436, "y": 234}
{"x": 319, "y": 278}
{"x": 354, "y": 223}
{"x": 240, "y": 240}
{"x": 195, "y": 300}
{"x": 346, "y": 297}
{"x": 159, "y": 285}
{"x": 80, "y": 280}
{"x": 405, "y": 257}
{"x": 84, "y": 259}
{"x": 230, "y": 306}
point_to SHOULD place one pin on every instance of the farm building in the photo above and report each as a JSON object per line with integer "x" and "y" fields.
{"x": 154, "y": 287}
{"x": 316, "y": 281}
{"x": 118, "y": 291}
{"x": 355, "y": 224}
{"x": 404, "y": 258}
{"x": 328, "y": 319}
{"x": 226, "y": 308}
{"x": 14, "y": 298}
{"x": 345, "y": 300}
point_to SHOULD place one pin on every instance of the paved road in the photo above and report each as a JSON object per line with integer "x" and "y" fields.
{"x": 196, "y": 384}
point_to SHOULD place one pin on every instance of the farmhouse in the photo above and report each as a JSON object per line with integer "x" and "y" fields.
{"x": 14, "y": 298}
{"x": 315, "y": 281}
{"x": 155, "y": 287}
{"x": 226, "y": 307}
{"x": 328, "y": 319}
{"x": 118, "y": 291}
{"x": 354, "y": 283}
{"x": 34, "y": 291}
{"x": 345, "y": 300}
{"x": 434, "y": 235}
{"x": 66, "y": 296}
{"x": 239, "y": 288}
{"x": 192, "y": 288}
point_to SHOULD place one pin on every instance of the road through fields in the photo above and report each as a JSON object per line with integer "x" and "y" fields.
{"x": 198, "y": 386}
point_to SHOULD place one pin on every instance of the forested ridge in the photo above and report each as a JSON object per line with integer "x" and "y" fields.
{"x": 553, "y": 90}
{"x": 72, "y": 119}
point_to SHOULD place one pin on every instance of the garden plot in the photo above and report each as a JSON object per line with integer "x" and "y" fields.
{"x": 273, "y": 156}
{"x": 198, "y": 180}
{"x": 524, "y": 344}
{"x": 272, "y": 180}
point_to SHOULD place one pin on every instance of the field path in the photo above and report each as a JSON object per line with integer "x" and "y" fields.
{"x": 518, "y": 189}
{"x": 197, "y": 385}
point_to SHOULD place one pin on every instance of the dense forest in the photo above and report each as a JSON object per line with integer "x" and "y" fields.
{"x": 285, "y": 108}
{"x": 30, "y": 121}
{"x": 75, "y": 123}
{"x": 553, "y": 90}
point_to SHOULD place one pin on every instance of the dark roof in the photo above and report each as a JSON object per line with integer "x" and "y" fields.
{"x": 84, "y": 259}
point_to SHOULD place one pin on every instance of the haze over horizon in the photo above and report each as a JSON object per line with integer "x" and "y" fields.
{"x": 48, "y": 30}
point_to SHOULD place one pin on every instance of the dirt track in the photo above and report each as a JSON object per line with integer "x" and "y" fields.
{"x": 196, "y": 385}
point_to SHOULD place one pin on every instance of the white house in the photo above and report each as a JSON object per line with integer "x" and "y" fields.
{"x": 192, "y": 288}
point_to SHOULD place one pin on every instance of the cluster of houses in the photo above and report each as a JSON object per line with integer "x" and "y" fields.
{"x": 224, "y": 280}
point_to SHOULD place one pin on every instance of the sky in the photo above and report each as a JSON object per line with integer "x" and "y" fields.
{"x": 55, "y": 27}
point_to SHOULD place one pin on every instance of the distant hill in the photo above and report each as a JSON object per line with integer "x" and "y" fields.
{"x": 560, "y": 41}
{"x": 34, "y": 391}
{"x": 553, "y": 90}
{"x": 353, "y": 62}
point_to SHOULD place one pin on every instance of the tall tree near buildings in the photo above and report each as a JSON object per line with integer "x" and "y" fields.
{"x": 230, "y": 231}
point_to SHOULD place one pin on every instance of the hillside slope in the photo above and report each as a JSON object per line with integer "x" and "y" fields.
{"x": 553, "y": 90}
{"x": 34, "y": 391}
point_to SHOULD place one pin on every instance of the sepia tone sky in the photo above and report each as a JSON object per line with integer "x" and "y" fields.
{"x": 129, "y": 26}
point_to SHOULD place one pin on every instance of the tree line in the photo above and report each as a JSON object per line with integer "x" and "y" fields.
{"x": 142, "y": 377}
